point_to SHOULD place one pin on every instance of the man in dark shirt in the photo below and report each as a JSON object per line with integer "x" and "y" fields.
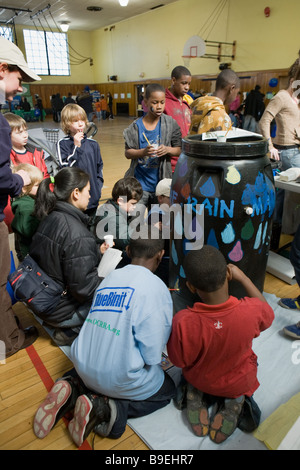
{"x": 13, "y": 70}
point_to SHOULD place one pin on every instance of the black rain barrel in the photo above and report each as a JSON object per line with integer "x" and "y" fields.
{"x": 233, "y": 184}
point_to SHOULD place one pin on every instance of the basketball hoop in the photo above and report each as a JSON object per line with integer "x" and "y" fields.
{"x": 195, "y": 47}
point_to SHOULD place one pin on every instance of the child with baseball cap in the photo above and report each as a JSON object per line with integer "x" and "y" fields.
{"x": 159, "y": 216}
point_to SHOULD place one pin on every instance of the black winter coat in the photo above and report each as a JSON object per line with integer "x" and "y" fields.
{"x": 67, "y": 251}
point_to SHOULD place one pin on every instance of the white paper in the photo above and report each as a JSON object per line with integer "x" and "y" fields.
{"x": 109, "y": 261}
{"x": 291, "y": 174}
{"x": 292, "y": 439}
{"x": 234, "y": 133}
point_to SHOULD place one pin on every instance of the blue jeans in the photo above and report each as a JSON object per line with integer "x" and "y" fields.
{"x": 290, "y": 158}
{"x": 127, "y": 409}
{"x": 90, "y": 116}
{"x": 77, "y": 319}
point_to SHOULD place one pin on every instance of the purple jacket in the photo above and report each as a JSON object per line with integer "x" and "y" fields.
{"x": 10, "y": 184}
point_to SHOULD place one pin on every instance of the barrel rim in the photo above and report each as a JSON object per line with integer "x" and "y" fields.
{"x": 192, "y": 145}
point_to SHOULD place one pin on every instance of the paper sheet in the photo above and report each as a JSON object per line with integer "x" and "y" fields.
{"x": 234, "y": 133}
{"x": 292, "y": 439}
{"x": 109, "y": 261}
{"x": 291, "y": 174}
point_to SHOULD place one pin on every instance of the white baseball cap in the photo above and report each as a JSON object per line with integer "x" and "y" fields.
{"x": 12, "y": 55}
{"x": 163, "y": 188}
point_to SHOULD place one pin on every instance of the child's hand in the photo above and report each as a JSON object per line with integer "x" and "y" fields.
{"x": 158, "y": 225}
{"x": 236, "y": 274}
{"x": 162, "y": 150}
{"x": 104, "y": 247}
{"x": 78, "y": 138}
{"x": 150, "y": 151}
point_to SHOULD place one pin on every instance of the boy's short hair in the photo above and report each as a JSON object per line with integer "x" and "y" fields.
{"x": 36, "y": 175}
{"x": 70, "y": 113}
{"x": 128, "y": 187}
{"x": 147, "y": 243}
{"x": 179, "y": 71}
{"x": 152, "y": 88}
{"x": 225, "y": 78}
{"x": 15, "y": 122}
{"x": 205, "y": 269}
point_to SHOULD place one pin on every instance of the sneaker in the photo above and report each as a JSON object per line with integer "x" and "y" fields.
{"x": 226, "y": 419}
{"x": 103, "y": 429}
{"x": 197, "y": 411}
{"x": 293, "y": 330}
{"x": 57, "y": 403}
{"x": 292, "y": 304}
{"x": 90, "y": 410}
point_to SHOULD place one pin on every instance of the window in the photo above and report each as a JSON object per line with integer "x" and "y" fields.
{"x": 6, "y": 32}
{"x": 46, "y": 52}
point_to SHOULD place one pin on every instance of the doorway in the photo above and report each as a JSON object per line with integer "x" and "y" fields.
{"x": 139, "y": 96}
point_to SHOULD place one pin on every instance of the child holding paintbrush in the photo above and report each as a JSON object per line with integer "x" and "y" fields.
{"x": 149, "y": 143}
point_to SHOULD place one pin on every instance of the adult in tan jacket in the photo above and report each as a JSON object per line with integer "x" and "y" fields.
{"x": 285, "y": 146}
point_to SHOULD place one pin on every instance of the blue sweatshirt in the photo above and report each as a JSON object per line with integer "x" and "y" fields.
{"x": 88, "y": 158}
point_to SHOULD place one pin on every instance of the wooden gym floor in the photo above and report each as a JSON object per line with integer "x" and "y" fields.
{"x": 26, "y": 377}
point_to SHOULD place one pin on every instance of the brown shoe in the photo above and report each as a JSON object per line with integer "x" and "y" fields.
{"x": 197, "y": 411}
{"x": 31, "y": 334}
{"x": 225, "y": 420}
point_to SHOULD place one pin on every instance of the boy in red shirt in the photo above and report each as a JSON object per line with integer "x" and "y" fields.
{"x": 212, "y": 343}
{"x": 21, "y": 151}
{"x": 175, "y": 104}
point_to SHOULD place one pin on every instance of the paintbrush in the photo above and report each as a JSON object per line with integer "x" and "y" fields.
{"x": 146, "y": 138}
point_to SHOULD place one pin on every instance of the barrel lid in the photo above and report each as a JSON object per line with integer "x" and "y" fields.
{"x": 240, "y": 147}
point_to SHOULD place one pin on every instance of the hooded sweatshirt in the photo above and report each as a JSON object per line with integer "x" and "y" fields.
{"x": 181, "y": 112}
{"x": 209, "y": 115}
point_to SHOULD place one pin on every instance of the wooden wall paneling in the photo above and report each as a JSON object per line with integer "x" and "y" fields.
{"x": 199, "y": 82}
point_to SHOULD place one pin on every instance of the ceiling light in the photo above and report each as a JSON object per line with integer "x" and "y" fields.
{"x": 123, "y": 3}
{"x": 64, "y": 26}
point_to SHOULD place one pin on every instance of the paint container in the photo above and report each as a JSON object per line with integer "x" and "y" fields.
{"x": 109, "y": 240}
{"x": 229, "y": 190}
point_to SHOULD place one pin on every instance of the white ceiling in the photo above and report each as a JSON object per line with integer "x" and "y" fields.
{"x": 74, "y": 11}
